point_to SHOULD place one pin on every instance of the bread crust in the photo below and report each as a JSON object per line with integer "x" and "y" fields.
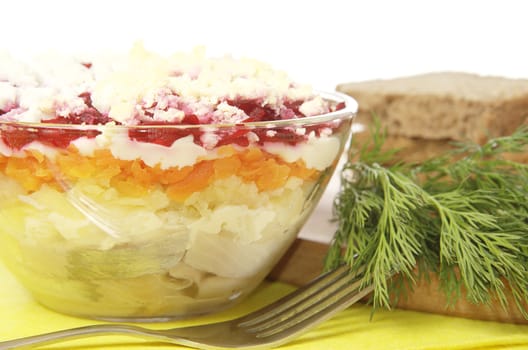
{"x": 448, "y": 106}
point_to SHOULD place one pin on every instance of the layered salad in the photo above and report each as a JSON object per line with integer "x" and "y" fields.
{"x": 143, "y": 186}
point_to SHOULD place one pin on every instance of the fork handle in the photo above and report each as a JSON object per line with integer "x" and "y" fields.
{"x": 71, "y": 334}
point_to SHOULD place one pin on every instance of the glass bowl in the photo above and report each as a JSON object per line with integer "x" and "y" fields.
{"x": 143, "y": 224}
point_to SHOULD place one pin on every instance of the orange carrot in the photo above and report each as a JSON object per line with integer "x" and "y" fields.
{"x": 135, "y": 178}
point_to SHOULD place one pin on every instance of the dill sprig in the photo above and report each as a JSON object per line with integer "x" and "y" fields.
{"x": 463, "y": 216}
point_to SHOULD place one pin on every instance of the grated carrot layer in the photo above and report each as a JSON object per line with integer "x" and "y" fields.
{"x": 135, "y": 178}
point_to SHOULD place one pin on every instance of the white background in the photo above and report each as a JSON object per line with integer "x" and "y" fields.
{"x": 318, "y": 42}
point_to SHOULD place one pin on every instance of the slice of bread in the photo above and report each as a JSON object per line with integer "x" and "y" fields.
{"x": 443, "y": 106}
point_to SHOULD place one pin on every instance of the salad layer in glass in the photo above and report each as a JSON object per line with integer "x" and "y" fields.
{"x": 146, "y": 187}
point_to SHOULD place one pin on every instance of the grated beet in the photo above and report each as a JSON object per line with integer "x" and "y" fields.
{"x": 18, "y": 137}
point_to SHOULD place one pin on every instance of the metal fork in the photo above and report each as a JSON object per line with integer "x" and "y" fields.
{"x": 268, "y": 327}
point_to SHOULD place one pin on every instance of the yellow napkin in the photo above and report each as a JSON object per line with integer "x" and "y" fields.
{"x": 351, "y": 329}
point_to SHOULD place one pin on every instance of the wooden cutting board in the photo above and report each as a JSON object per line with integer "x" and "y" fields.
{"x": 304, "y": 261}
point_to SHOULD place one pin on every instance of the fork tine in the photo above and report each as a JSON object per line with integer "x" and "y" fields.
{"x": 304, "y": 301}
{"x": 292, "y": 299}
{"x": 337, "y": 301}
{"x": 345, "y": 286}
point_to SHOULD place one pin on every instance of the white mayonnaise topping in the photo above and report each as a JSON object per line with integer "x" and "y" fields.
{"x": 317, "y": 152}
{"x": 183, "y": 152}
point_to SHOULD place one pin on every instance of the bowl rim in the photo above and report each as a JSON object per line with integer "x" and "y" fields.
{"x": 349, "y": 111}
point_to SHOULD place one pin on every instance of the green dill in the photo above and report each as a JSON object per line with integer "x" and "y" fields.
{"x": 463, "y": 216}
